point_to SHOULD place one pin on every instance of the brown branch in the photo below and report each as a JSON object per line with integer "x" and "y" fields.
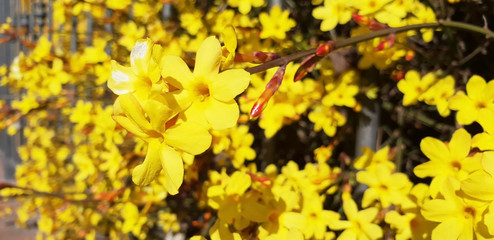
{"x": 362, "y": 38}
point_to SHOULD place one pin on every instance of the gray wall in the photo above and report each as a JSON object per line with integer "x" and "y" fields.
{"x": 8, "y": 51}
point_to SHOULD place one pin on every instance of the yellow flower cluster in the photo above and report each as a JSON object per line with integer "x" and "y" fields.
{"x": 431, "y": 89}
{"x": 163, "y": 102}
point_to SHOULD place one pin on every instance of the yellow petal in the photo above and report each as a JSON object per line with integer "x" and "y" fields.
{"x": 373, "y": 231}
{"x": 428, "y": 169}
{"x": 479, "y": 185}
{"x": 367, "y": 215}
{"x": 132, "y": 109}
{"x": 173, "y": 167}
{"x": 130, "y": 125}
{"x": 176, "y": 72}
{"x": 486, "y": 120}
{"x": 475, "y": 85}
{"x": 229, "y": 84}
{"x": 238, "y": 184}
{"x": 189, "y": 137}
{"x": 434, "y": 149}
{"x": 293, "y": 220}
{"x": 121, "y": 79}
{"x": 438, "y": 210}
{"x": 350, "y": 209}
{"x": 140, "y": 55}
{"x": 459, "y": 146}
{"x": 222, "y": 115}
{"x": 367, "y": 178}
{"x": 483, "y": 141}
{"x": 449, "y": 229}
{"x": 158, "y": 113}
{"x": 147, "y": 171}
{"x": 488, "y": 162}
{"x": 208, "y": 58}
{"x": 230, "y": 38}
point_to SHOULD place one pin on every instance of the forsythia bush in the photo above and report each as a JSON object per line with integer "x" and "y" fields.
{"x": 238, "y": 119}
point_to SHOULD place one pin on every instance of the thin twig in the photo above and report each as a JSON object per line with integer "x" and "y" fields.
{"x": 380, "y": 33}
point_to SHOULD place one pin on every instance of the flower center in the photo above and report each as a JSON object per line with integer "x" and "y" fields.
{"x": 201, "y": 90}
{"x": 469, "y": 212}
{"x": 456, "y": 165}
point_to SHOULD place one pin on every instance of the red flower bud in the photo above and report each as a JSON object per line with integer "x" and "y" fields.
{"x": 325, "y": 48}
{"x": 270, "y": 89}
{"x": 306, "y": 66}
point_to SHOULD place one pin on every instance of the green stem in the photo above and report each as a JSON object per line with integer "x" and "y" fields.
{"x": 362, "y": 38}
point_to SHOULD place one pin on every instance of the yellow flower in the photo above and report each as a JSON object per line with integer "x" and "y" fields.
{"x": 327, "y": 119}
{"x": 447, "y": 161}
{"x": 276, "y": 24}
{"x": 228, "y": 196}
{"x": 479, "y": 95}
{"x": 149, "y": 122}
{"x": 371, "y": 159}
{"x": 407, "y": 220}
{"x": 359, "y": 224}
{"x": 130, "y": 33}
{"x": 192, "y": 21}
{"x": 244, "y": 6}
{"x": 143, "y": 72}
{"x": 440, "y": 93}
{"x": 458, "y": 216}
{"x": 210, "y": 94}
{"x": 424, "y": 14}
{"x": 413, "y": 86}
{"x": 317, "y": 219}
{"x": 332, "y": 13}
{"x": 385, "y": 186}
{"x": 323, "y": 153}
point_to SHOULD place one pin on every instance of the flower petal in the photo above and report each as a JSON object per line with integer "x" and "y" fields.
{"x": 189, "y": 137}
{"x": 459, "y": 146}
{"x": 158, "y": 113}
{"x": 208, "y": 58}
{"x": 140, "y": 55}
{"x": 147, "y": 171}
{"x": 428, "y": 169}
{"x": 479, "y": 185}
{"x": 488, "y": 162}
{"x": 173, "y": 167}
{"x": 176, "y": 72}
{"x": 434, "y": 149}
{"x": 449, "y": 229}
{"x": 131, "y": 108}
{"x": 222, "y": 115}
{"x": 121, "y": 79}
{"x": 350, "y": 209}
{"x": 373, "y": 231}
{"x": 476, "y": 84}
{"x": 229, "y": 84}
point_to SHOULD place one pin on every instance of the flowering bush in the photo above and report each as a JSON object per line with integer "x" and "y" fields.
{"x": 245, "y": 120}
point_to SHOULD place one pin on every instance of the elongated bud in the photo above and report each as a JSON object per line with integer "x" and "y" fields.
{"x": 388, "y": 43}
{"x": 261, "y": 103}
{"x": 264, "y": 56}
{"x": 306, "y": 66}
{"x": 241, "y": 58}
{"x": 360, "y": 19}
{"x": 325, "y": 48}
{"x": 270, "y": 89}
{"x": 374, "y": 25}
